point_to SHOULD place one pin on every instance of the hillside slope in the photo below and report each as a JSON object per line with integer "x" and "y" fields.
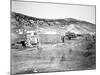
{"x": 68, "y": 24}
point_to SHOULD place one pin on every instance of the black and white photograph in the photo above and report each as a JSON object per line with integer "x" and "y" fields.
{"x": 52, "y": 37}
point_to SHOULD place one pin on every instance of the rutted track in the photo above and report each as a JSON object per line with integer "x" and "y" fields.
{"x": 58, "y": 57}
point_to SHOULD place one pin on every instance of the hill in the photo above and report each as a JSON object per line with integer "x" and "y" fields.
{"x": 19, "y": 20}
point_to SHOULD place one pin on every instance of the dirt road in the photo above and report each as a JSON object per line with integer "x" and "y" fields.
{"x": 57, "y": 57}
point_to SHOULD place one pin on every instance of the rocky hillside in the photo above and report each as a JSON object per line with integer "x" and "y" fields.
{"x": 64, "y": 25}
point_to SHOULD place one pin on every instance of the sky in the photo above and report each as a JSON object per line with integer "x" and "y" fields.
{"x": 54, "y": 11}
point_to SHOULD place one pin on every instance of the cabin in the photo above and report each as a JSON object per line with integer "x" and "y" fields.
{"x": 31, "y": 38}
{"x": 68, "y": 36}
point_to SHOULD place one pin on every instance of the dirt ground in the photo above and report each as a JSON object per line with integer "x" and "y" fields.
{"x": 71, "y": 55}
